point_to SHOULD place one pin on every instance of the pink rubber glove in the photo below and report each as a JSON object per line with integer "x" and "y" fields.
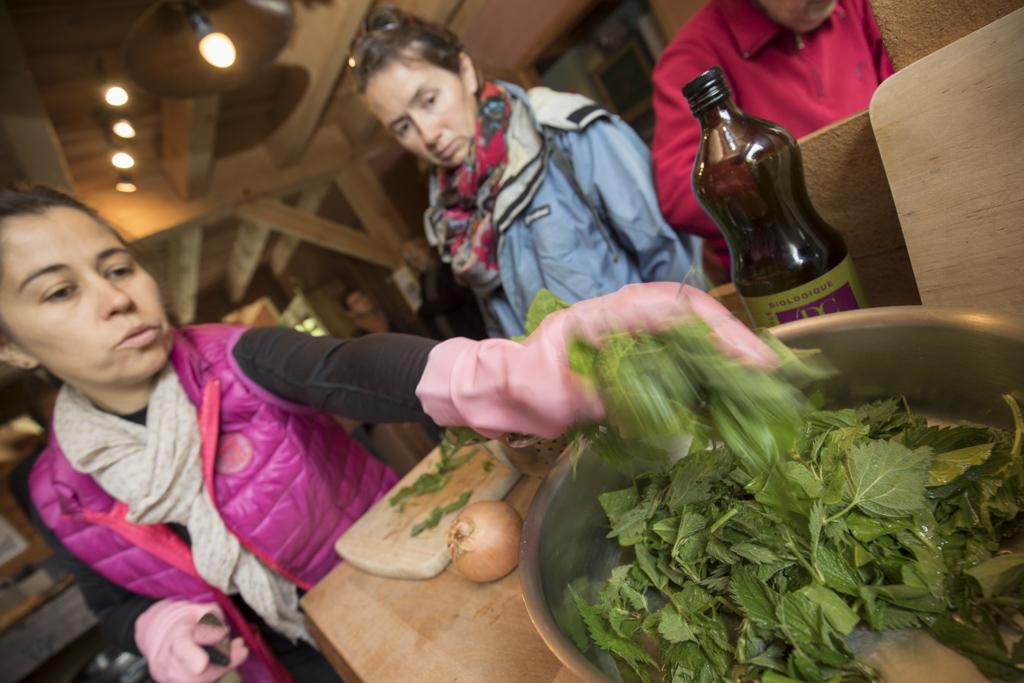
{"x": 498, "y": 386}
{"x": 170, "y": 637}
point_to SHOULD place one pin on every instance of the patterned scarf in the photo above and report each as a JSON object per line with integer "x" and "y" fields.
{"x": 467, "y": 195}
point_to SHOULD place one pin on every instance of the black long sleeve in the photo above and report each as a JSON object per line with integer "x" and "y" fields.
{"x": 371, "y": 378}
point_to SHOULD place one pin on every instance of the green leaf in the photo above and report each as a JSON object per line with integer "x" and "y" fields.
{"x": 673, "y": 627}
{"x": 435, "y": 516}
{"x": 798, "y": 617}
{"x": 755, "y": 552}
{"x": 754, "y": 597}
{"x": 1000, "y": 575}
{"x": 866, "y": 529}
{"x": 582, "y": 357}
{"x": 693, "y": 476}
{"x": 797, "y": 473}
{"x": 949, "y": 465}
{"x": 543, "y": 305}
{"x": 774, "y": 677}
{"x": 815, "y": 522}
{"x": 842, "y": 618}
{"x": 911, "y": 597}
{"x": 895, "y": 619}
{"x": 887, "y": 479}
{"x": 425, "y": 483}
{"x": 606, "y": 639}
{"x": 838, "y": 572}
{"x": 617, "y": 503}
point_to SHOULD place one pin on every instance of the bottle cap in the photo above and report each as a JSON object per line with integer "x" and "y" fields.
{"x": 706, "y": 90}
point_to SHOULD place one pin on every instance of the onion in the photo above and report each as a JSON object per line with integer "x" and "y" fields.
{"x": 483, "y": 540}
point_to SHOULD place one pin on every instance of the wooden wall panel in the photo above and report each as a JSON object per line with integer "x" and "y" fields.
{"x": 507, "y": 36}
{"x": 914, "y": 29}
{"x": 849, "y": 189}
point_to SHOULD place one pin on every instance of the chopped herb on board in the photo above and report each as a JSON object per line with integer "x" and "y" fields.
{"x": 435, "y": 515}
{"x": 783, "y": 527}
{"x": 429, "y": 482}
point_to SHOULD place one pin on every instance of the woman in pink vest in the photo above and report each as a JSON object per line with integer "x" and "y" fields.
{"x": 194, "y": 483}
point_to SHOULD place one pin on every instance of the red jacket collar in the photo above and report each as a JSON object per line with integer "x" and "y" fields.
{"x": 751, "y": 28}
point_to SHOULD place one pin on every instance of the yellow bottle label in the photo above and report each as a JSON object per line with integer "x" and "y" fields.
{"x": 837, "y": 290}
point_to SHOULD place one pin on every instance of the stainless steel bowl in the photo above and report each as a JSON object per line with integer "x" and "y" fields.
{"x": 950, "y": 365}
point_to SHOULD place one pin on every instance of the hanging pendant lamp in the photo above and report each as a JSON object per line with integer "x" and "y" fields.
{"x": 191, "y": 48}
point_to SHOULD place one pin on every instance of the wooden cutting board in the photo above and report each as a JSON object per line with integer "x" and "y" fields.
{"x": 381, "y": 541}
{"x": 949, "y": 129}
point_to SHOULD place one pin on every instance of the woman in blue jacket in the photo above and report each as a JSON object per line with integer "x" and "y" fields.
{"x": 531, "y": 189}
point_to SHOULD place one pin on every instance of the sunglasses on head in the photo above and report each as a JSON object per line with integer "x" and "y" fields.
{"x": 366, "y": 32}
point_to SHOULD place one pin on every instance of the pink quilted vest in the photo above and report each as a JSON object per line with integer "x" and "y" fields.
{"x": 287, "y": 480}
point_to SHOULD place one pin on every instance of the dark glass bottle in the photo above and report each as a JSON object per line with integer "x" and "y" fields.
{"x": 787, "y": 263}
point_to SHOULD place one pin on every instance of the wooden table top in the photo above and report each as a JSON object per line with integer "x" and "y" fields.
{"x": 378, "y": 630}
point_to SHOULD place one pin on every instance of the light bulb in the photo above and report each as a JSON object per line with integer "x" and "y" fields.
{"x": 122, "y": 160}
{"x": 125, "y": 186}
{"x": 123, "y": 128}
{"x": 217, "y": 49}
{"x": 116, "y": 96}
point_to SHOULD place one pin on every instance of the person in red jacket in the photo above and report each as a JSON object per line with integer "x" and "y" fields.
{"x": 800, "y": 63}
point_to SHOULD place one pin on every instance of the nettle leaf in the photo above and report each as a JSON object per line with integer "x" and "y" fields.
{"x": 544, "y": 304}
{"x": 673, "y": 627}
{"x": 815, "y": 522}
{"x": 866, "y": 529}
{"x": 606, "y": 639}
{"x": 693, "y": 476}
{"x": 617, "y": 503}
{"x": 879, "y": 414}
{"x": 1001, "y": 575}
{"x": 799, "y": 474}
{"x": 891, "y": 618}
{"x": 838, "y": 572}
{"x": 798, "y": 617}
{"x": 911, "y": 597}
{"x": 842, "y": 618}
{"x": 886, "y": 478}
{"x": 582, "y": 357}
{"x": 949, "y": 465}
{"x": 756, "y": 553}
{"x": 755, "y": 598}
{"x": 775, "y": 677}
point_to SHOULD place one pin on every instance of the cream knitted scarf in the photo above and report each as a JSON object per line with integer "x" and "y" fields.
{"x": 157, "y": 472}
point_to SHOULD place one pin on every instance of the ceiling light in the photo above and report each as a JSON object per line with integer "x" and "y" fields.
{"x": 122, "y": 160}
{"x": 116, "y": 96}
{"x": 217, "y": 49}
{"x": 184, "y": 48}
{"x": 125, "y": 183}
{"x": 123, "y": 128}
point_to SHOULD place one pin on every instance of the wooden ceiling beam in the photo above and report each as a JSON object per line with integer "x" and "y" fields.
{"x": 157, "y": 208}
{"x": 186, "y": 259}
{"x": 246, "y": 252}
{"x": 317, "y": 230}
{"x": 188, "y": 131}
{"x": 371, "y": 203}
{"x": 24, "y": 121}
{"x": 286, "y": 245}
{"x": 319, "y": 44}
